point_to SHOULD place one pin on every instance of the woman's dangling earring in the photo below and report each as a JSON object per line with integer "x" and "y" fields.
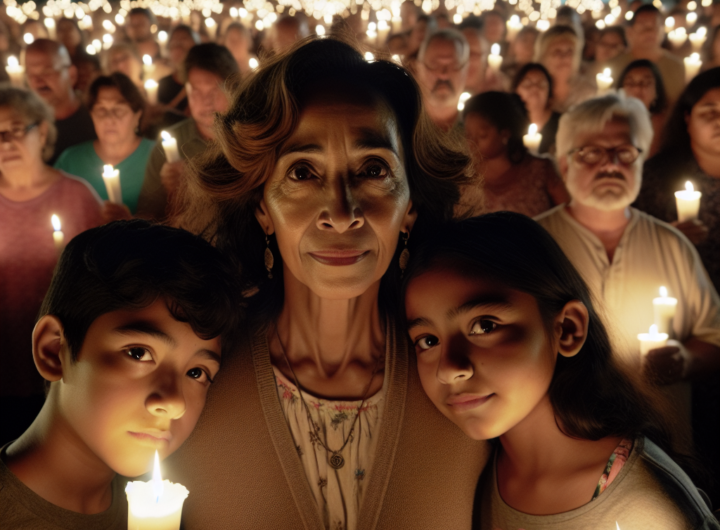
{"x": 404, "y": 255}
{"x": 269, "y": 258}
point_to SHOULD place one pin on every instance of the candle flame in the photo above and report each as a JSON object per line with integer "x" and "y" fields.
{"x": 689, "y": 186}
{"x": 108, "y": 171}
{"x": 151, "y": 83}
{"x": 617, "y": 525}
{"x": 653, "y": 330}
{"x": 12, "y": 61}
{"x": 607, "y": 72}
{"x": 49, "y": 23}
{"x": 55, "y": 220}
{"x": 253, "y": 62}
{"x": 157, "y": 482}
{"x": 163, "y": 36}
{"x": 369, "y": 56}
{"x": 165, "y": 135}
{"x": 28, "y": 38}
{"x": 210, "y": 22}
{"x": 495, "y": 49}
{"x": 532, "y": 129}
{"x": 663, "y": 291}
{"x": 147, "y": 60}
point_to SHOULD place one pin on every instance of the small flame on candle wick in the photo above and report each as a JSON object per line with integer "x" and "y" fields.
{"x": 532, "y": 130}
{"x": 617, "y": 525}
{"x": 157, "y": 482}
{"x": 607, "y": 72}
{"x": 689, "y": 186}
{"x": 653, "y": 330}
{"x": 147, "y": 60}
{"x": 495, "y": 49}
{"x": 55, "y": 220}
{"x": 165, "y": 135}
{"x": 663, "y": 291}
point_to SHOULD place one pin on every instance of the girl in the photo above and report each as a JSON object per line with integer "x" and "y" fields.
{"x": 509, "y": 346}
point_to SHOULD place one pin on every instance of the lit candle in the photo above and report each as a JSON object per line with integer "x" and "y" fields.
{"x": 58, "y": 236}
{"x": 463, "y": 98}
{"x": 495, "y": 59}
{"x": 532, "y": 139}
{"x": 151, "y": 89}
{"x": 383, "y": 29}
{"x": 677, "y": 37}
{"x": 15, "y": 72}
{"x": 604, "y": 80}
{"x": 111, "y": 177}
{"x": 664, "y": 309}
{"x": 170, "y": 146}
{"x": 697, "y": 39}
{"x": 669, "y": 24}
{"x": 513, "y": 27}
{"x": 211, "y": 26}
{"x": 253, "y": 62}
{"x": 28, "y": 38}
{"x": 148, "y": 66}
{"x": 653, "y": 339}
{"x": 163, "y": 40}
{"x": 51, "y": 28}
{"x": 156, "y": 504}
{"x": 692, "y": 66}
{"x": 687, "y": 202}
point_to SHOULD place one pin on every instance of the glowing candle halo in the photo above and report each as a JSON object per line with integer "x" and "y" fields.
{"x": 652, "y": 340}
{"x": 664, "y": 308}
{"x": 687, "y": 202}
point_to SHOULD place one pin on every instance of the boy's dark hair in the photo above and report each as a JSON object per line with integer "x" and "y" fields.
{"x": 212, "y": 58}
{"x": 645, "y": 8}
{"x": 130, "y": 265}
{"x": 144, "y": 11}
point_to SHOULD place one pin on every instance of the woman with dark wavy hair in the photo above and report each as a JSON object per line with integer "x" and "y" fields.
{"x": 324, "y": 170}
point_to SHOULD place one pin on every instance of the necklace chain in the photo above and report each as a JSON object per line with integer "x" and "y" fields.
{"x": 336, "y": 459}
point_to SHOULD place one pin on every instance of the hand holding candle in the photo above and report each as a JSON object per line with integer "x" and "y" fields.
{"x": 58, "y": 236}
{"x": 532, "y": 139}
{"x": 664, "y": 309}
{"x": 155, "y": 505}
{"x": 495, "y": 59}
{"x": 171, "y": 149}
{"x": 652, "y": 340}
{"x": 111, "y": 177}
{"x": 688, "y": 203}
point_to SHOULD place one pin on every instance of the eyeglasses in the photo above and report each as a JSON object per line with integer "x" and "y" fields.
{"x": 527, "y": 85}
{"x": 17, "y": 133}
{"x": 592, "y": 155}
{"x": 639, "y": 84}
{"x": 116, "y": 112}
{"x": 434, "y": 68}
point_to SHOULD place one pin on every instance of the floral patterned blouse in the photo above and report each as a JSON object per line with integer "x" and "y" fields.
{"x": 338, "y": 492}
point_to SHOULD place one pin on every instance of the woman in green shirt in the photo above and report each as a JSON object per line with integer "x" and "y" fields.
{"x": 116, "y": 107}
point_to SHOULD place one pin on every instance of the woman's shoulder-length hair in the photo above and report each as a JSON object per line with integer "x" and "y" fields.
{"x": 226, "y": 184}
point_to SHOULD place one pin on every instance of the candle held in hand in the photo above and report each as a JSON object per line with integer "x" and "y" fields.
{"x": 151, "y": 89}
{"x": 170, "y": 146}
{"x": 58, "y": 236}
{"x": 495, "y": 59}
{"x": 604, "y": 80}
{"x": 15, "y": 72}
{"x": 692, "y": 66}
{"x": 148, "y": 67}
{"x": 652, "y": 340}
{"x": 155, "y": 505}
{"x": 664, "y": 309}
{"x": 532, "y": 139}
{"x": 687, "y": 202}
{"x": 111, "y": 177}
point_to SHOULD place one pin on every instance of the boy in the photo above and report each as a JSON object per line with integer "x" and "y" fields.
{"x": 129, "y": 337}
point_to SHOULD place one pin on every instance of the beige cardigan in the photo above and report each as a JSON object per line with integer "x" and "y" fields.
{"x": 242, "y": 469}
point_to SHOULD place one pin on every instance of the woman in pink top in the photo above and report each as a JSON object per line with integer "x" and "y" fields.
{"x": 30, "y": 193}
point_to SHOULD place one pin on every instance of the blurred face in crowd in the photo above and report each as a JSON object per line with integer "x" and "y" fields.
{"x": 647, "y": 31}
{"x": 442, "y": 73}
{"x": 704, "y": 124}
{"x": 339, "y": 196}
{"x": 417, "y": 36}
{"x": 493, "y": 27}
{"x": 287, "y": 31}
{"x": 408, "y": 14}
{"x": 125, "y": 62}
{"x": 523, "y": 47}
{"x": 49, "y": 77}
{"x": 238, "y": 42}
{"x": 23, "y": 141}
{"x": 179, "y": 45}
{"x": 534, "y": 90}
{"x": 715, "y": 48}
{"x": 559, "y": 58}
{"x": 476, "y": 63}
{"x": 138, "y": 27}
{"x": 609, "y": 46}
{"x": 138, "y": 385}
{"x": 36, "y": 29}
{"x": 206, "y": 97}
{"x": 68, "y": 34}
{"x": 484, "y": 139}
{"x": 640, "y": 83}
{"x": 114, "y": 120}
{"x": 601, "y": 180}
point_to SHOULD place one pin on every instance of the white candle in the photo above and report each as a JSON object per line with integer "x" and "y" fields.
{"x": 383, "y": 29}
{"x": 156, "y": 504}
{"x": 170, "y": 146}
{"x": 495, "y": 59}
{"x": 211, "y": 26}
{"x": 148, "y": 66}
{"x": 604, "y": 80}
{"x": 653, "y": 339}
{"x": 151, "y": 89}
{"x": 664, "y": 309}
{"x": 532, "y": 139}
{"x": 687, "y": 202}
{"x": 15, "y": 72}
{"x": 58, "y": 236}
{"x": 697, "y": 39}
{"x": 677, "y": 37}
{"x": 111, "y": 177}
{"x": 513, "y": 27}
{"x": 692, "y": 66}
{"x": 51, "y": 28}
{"x": 163, "y": 40}
{"x": 463, "y": 98}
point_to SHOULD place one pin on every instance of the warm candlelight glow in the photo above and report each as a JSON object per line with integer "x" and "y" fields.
{"x": 463, "y": 98}
{"x": 151, "y": 88}
{"x": 147, "y": 60}
{"x": 663, "y": 292}
{"x": 170, "y": 146}
{"x": 652, "y": 340}
{"x": 687, "y": 202}
{"x": 692, "y": 66}
{"x": 13, "y": 62}
{"x": 369, "y": 56}
{"x": 532, "y": 129}
{"x": 55, "y": 220}
{"x": 689, "y": 186}
{"x": 157, "y": 483}
{"x": 532, "y": 139}
{"x": 253, "y": 62}
{"x": 604, "y": 80}
{"x": 495, "y": 59}
{"x": 58, "y": 236}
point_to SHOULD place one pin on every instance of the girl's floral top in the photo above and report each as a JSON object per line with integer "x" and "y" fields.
{"x": 338, "y": 492}
{"x": 615, "y": 464}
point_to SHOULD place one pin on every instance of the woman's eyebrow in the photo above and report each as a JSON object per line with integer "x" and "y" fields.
{"x": 487, "y": 302}
{"x": 374, "y": 139}
{"x": 300, "y": 148}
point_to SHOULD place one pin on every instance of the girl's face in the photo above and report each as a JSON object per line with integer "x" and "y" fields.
{"x": 703, "y": 123}
{"x": 484, "y": 139}
{"x": 534, "y": 90}
{"x": 559, "y": 57}
{"x": 483, "y": 353}
{"x": 640, "y": 83}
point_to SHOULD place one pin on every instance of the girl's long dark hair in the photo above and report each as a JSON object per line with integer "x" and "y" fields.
{"x": 593, "y": 394}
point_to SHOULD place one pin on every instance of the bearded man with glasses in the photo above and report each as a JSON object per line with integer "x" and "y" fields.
{"x": 625, "y": 255}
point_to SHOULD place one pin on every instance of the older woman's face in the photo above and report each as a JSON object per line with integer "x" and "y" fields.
{"x": 559, "y": 57}
{"x": 704, "y": 124}
{"x": 114, "y": 120}
{"x": 23, "y": 143}
{"x": 338, "y": 197}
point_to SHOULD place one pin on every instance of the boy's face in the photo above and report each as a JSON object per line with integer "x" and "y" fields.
{"x": 139, "y": 384}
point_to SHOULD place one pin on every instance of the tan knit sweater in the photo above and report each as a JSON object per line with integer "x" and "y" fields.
{"x": 243, "y": 471}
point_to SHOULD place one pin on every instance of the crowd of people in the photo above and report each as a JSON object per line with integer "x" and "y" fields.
{"x": 455, "y": 221}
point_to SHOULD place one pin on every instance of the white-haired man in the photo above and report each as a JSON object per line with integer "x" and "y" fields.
{"x": 442, "y": 70}
{"x": 626, "y": 255}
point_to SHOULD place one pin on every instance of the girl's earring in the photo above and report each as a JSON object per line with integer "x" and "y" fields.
{"x": 269, "y": 258}
{"x": 404, "y": 255}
